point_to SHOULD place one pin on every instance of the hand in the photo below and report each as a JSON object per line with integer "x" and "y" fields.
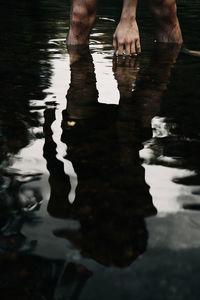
{"x": 126, "y": 37}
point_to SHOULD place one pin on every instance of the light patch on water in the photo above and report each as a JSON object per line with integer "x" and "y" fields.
{"x": 61, "y": 153}
{"x": 106, "y": 83}
{"x": 97, "y": 34}
{"x": 168, "y": 196}
{"x": 60, "y": 84}
{"x": 160, "y": 127}
{"x": 107, "y": 19}
{"x": 175, "y": 232}
{"x": 57, "y": 41}
{"x": 29, "y": 160}
{"x": 165, "y": 193}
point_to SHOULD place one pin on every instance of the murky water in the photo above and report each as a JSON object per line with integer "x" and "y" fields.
{"x": 99, "y": 162}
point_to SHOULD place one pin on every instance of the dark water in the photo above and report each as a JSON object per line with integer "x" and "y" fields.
{"x": 99, "y": 162}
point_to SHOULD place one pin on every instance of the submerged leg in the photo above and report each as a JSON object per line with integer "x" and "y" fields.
{"x": 83, "y": 14}
{"x": 165, "y": 14}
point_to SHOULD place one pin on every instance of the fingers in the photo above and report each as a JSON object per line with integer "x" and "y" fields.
{"x": 120, "y": 49}
{"x": 133, "y": 52}
{"x": 115, "y": 44}
{"x": 128, "y": 49}
{"x": 135, "y": 47}
{"x": 138, "y": 47}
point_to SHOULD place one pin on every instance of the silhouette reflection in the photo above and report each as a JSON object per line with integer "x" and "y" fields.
{"x": 103, "y": 143}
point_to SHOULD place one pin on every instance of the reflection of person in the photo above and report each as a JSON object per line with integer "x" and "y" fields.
{"x": 112, "y": 198}
{"x": 126, "y": 36}
{"x": 103, "y": 141}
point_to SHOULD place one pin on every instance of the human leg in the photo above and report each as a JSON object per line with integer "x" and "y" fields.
{"x": 165, "y": 15}
{"x": 82, "y": 17}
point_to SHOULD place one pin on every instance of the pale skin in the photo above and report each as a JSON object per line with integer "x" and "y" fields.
{"x": 126, "y": 38}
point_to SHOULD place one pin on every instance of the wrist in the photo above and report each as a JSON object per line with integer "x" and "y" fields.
{"x": 128, "y": 19}
{"x": 129, "y": 10}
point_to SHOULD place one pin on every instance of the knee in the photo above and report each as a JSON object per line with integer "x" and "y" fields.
{"x": 82, "y": 15}
{"x": 164, "y": 10}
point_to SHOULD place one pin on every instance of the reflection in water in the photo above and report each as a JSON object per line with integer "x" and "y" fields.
{"x": 91, "y": 249}
{"x": 103, "y": 143}
{"x": 172, "y": 164}
{"x": 112, "y": 197}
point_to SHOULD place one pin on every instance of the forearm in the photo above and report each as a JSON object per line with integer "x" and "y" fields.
{"x": 129, "y": 10}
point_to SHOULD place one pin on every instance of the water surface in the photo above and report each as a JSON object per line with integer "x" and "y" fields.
{"x": 99, "y": 161}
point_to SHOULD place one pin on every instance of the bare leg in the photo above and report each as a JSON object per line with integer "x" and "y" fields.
{"x": 83, "y": 14}
{"x": 165, "y": 14}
